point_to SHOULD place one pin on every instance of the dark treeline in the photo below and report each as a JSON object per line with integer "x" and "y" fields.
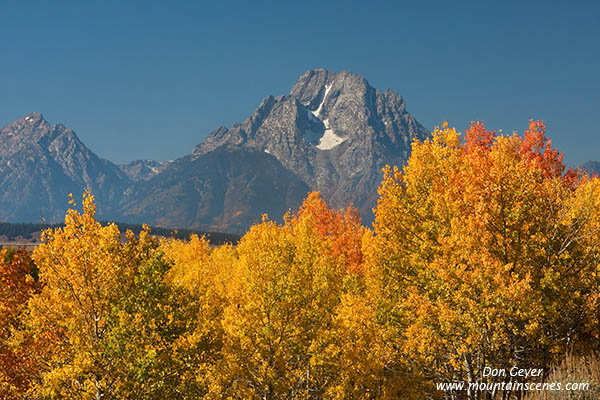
{"x": 26, "y": 231}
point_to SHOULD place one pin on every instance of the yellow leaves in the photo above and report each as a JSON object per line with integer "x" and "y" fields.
{"x": 481, "y": 246}
{"x": 482, "y": 255}
{"x": 283, "y": 293}
{"x": 359, "y": 349}
{"x": 78, "y": 268}
{"x": 190, "y": 261}
{"x": 103, "y": 310}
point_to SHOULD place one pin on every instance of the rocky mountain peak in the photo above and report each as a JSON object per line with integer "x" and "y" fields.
{"x": 34, "y": 129}
{"x": 31, "y": 125}
{"x": 33, "y": 118}
{"x": 315, "y": 86}
{"x": 43, "y": 163}
{"x": 334, "y": 130}
{"x": 310, "y": 87}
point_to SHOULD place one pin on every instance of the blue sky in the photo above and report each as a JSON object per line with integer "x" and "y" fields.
{"x": 151, "y": 79}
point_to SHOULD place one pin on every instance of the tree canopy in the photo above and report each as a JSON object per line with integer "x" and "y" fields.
{"x": 483, "y": 254}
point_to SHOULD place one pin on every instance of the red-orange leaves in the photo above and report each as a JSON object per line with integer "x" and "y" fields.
{"x": 342, "y": 228}
{"x": 537, "y": 148}
{"x": 478, "y": 138}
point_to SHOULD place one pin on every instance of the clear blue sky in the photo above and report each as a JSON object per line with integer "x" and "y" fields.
{"x": 151, "y": 79}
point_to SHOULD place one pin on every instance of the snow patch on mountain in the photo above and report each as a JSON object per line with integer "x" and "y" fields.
{"x": 317, "y": 112}
{"x": 329, "y": 139}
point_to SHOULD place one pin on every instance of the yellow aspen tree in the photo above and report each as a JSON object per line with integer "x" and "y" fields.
{"x": 80, "y": 269}
{"x": 105, "y": 315}
{"x": 203, "y": 273}
{"x": 286, "y": 285}
{"x": 483, "y": 254}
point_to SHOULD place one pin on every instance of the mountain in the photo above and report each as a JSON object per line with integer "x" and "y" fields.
{"x": 143, "y": 169}
{"x": 40, "y": 164}
{"x": 332, "y": 133}
{"x": 225, "y": 190}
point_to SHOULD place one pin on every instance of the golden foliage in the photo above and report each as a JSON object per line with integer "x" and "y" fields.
{"x": 483, "y": 254}
{"x": 105, "y": 318}
{"x": 486, "y": 253}
{"x": 18, "y": 364}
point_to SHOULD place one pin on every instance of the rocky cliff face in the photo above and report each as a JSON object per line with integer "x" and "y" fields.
{"x": 40, "y": 164}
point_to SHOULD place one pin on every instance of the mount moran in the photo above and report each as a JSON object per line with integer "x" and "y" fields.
{"x": 332, "y": 133}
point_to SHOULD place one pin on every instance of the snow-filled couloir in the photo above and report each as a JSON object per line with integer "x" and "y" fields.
{"x": 329, "y": 139}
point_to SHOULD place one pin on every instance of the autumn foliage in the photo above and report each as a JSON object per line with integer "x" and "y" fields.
{"x": 18, "y": 365}
{"x": 483, "y": 253}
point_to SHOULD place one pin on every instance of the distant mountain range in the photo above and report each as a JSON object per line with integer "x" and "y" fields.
{"x": 332, "y": 133}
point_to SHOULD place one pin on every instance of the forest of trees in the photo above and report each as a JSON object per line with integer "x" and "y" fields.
{"x": 484, "y": 253}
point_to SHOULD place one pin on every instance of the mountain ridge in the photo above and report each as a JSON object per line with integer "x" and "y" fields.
{"x": 333, "y": 132}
